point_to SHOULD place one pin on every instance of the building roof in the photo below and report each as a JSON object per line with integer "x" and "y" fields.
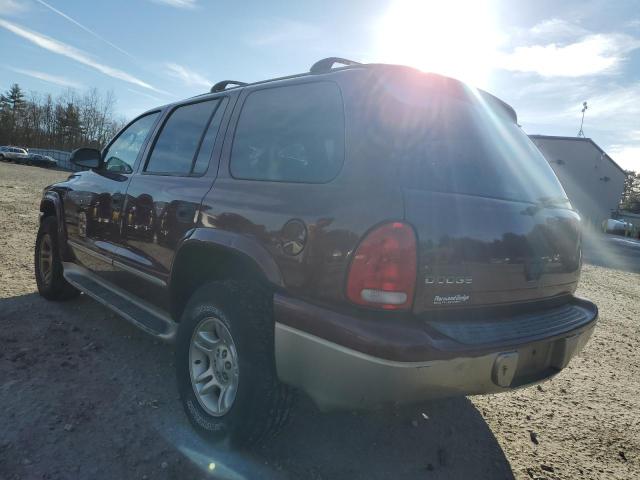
{"x": 580, "y": 139}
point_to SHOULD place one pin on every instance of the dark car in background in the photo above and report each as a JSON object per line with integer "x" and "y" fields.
{"x": 41, "y": 160}
{"x": 367, "y": 234}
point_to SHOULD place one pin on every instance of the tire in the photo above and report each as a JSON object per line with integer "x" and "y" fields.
{"x": 261, "y": 404}
{"x": 49, "y": 278}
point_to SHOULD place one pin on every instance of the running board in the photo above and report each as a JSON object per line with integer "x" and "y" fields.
{"x": 142, "y": 314}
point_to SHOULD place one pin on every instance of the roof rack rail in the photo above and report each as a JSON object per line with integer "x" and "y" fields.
{"x": 220, "y": 86}
{"x": 326, "y": 64}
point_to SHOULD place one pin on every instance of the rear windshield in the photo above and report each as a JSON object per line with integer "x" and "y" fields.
{"x": 450, "y": 138}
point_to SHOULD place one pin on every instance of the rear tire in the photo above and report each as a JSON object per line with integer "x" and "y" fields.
{"x": 242, "y": 313}
{"x": 48, "y": 265}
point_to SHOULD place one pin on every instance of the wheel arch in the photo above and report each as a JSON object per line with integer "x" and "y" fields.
{"x": 210, "y": 255}
{"x": 51, "y": 205}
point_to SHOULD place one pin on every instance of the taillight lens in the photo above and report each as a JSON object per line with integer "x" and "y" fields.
{"x": 383, "y": 269}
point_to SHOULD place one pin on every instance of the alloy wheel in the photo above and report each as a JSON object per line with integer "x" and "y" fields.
{"x": 213, "y": 365}
{"x": 45, "y": 259}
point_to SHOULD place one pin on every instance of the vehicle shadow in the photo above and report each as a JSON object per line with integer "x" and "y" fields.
{"x": 444, "y": 439}
{"x": 112, "y": 388}
{"x": 438, "y": 439}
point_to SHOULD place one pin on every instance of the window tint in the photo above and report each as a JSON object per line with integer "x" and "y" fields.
{"x": 180, "y": 138}
{"x": 121, "y": 155}
{"x": 453, "y": 139}
{"x": 209, "y": 140}
{"x": 292, "y": 134}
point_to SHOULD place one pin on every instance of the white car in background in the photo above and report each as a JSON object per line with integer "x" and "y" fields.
{"x": 18, "y": 155}
{"x": 619, "y": 227}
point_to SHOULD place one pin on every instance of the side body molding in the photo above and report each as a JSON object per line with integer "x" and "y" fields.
{"x": 234, "y": 243}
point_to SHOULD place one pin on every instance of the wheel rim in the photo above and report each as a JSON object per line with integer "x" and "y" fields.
{"x": 46, "y": 259}
{"x": 213, "y": 365}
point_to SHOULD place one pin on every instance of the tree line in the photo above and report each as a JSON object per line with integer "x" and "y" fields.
{"x": 65, "y": 122}
{"x": 630, "y": 201}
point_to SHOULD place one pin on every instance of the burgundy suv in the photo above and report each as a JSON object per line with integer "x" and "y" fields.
{"x": 366, "y": 234}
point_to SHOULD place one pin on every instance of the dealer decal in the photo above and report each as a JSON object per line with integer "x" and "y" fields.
{"x": 450, "y": 299}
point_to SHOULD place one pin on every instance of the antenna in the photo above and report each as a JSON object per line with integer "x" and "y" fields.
{"x": 584, "y": 109}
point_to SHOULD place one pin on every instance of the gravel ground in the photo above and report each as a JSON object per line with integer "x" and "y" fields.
{"x": 83, "y": 394}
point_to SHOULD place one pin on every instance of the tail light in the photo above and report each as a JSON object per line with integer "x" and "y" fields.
{"x": 383, "y": 269}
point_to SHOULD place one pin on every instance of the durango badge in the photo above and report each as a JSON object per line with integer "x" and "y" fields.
{"x": 450, "y": 299}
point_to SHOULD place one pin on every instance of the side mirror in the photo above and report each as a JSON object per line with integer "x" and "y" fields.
{"x": 86, "y": 157}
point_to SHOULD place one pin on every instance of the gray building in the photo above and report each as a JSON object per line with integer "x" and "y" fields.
{"x": 592, "y": 180}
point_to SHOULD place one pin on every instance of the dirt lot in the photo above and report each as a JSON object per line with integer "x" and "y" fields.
{"x": 85, "y": 395}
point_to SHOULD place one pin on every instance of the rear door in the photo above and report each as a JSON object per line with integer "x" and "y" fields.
{"x": 479, "y": 251}
{"x": 164, "y": 197}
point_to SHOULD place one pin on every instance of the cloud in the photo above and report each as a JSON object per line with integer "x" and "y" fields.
{"x": 615, "y": 102}
{"x": 553, "y": 107}
{"x": 188, "y": 77}
{"x": 556, "y": 29}
{"x": 189, "y": 4}
{"x": 614, "y": 112}
{"x": 552, "y": 67}
{"x": 146, "y": 95}
{"x": 594, "y": 54}
{"x": 9, "y": 7}
{"x": 46, "y": 77}
{"x": 627, "y": 156}
{"x": 281, "y": 31}
{"x": 78, "y": 24}
{"x": 73, "y": 53}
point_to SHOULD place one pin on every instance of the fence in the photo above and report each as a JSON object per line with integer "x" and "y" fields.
{"x": 60, "y": 156}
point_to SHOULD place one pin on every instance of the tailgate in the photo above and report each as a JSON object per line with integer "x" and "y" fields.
{"x": 480, "y": 251}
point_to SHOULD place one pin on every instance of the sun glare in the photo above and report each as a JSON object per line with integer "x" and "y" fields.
{"x": 452, "y": 37}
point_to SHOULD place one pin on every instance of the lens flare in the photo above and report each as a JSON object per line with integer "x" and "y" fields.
{"x": 457, "y": 38}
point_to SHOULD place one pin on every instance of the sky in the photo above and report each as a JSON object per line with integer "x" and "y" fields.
{"x": 543, "y": 57}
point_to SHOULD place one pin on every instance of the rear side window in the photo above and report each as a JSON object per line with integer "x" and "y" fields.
{"x": 177, "y": 147}
{"x": 290, "y": 134}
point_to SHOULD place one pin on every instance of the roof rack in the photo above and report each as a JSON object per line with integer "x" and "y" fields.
{"x": 326, "y": 64}
{"x": 321, "y": 66}
{"x": 220, "y": 86}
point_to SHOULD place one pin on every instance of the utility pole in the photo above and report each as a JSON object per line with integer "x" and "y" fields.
{"x": 584, "y": 109}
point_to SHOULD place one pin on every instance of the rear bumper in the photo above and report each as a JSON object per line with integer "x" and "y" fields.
{"x": 336, "y": 376}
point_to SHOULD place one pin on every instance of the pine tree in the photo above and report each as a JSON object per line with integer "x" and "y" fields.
{"x": 11, "y": 108}
{"x": 631, "y": 193}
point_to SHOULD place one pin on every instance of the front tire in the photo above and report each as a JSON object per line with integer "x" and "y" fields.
{"x": 48, "y": 265}
{"x": 225, "y": 364}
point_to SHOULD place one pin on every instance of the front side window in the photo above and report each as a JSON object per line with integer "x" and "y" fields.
{"x": 121, "y": 155}
{"x": 179, "y": 141}
{"x": 290, "y": 134}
